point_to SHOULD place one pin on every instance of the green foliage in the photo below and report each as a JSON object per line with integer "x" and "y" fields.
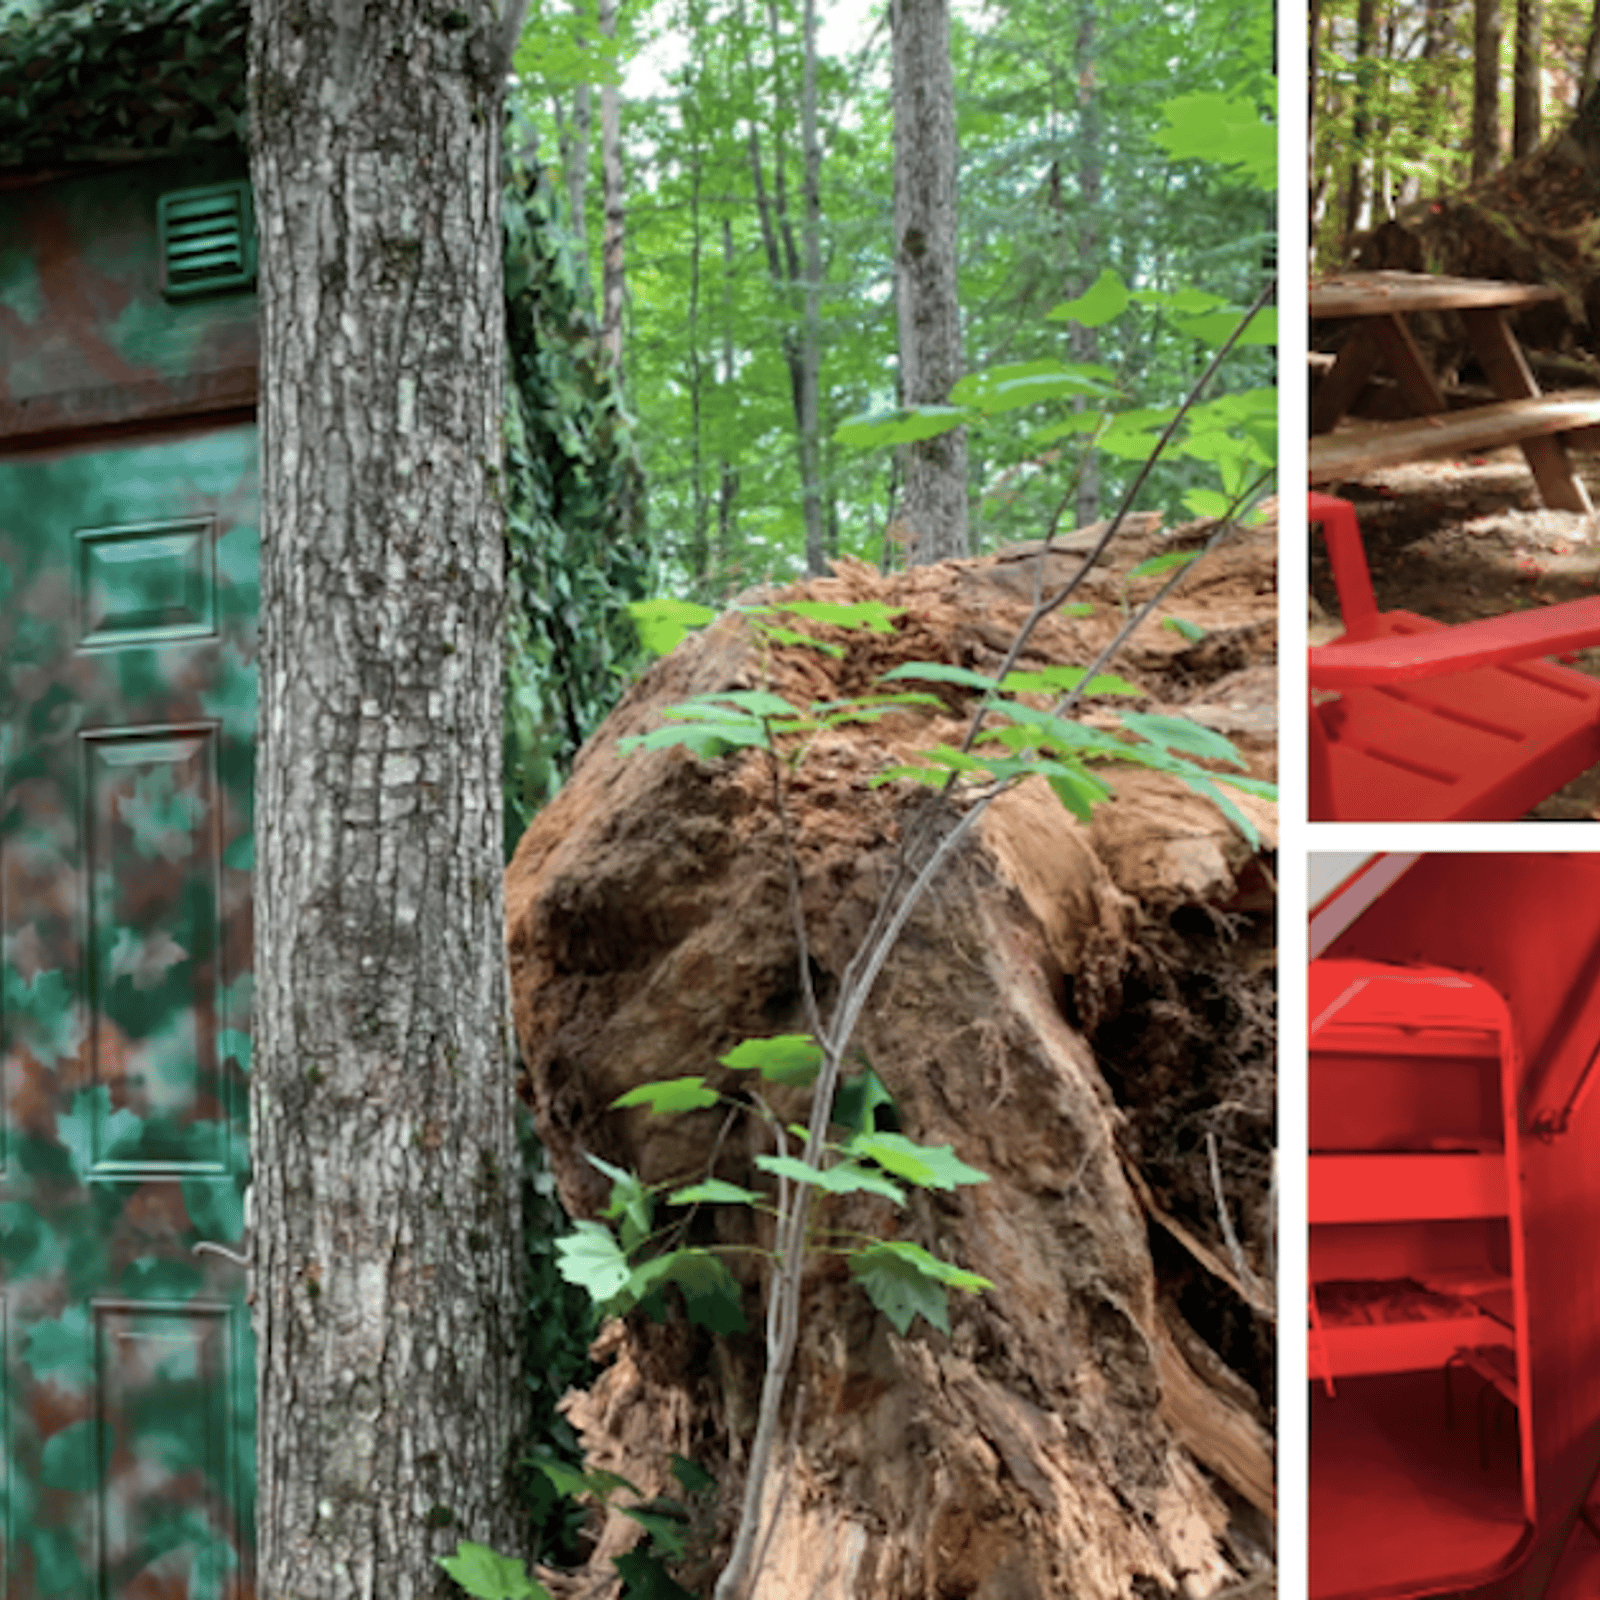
{"x": 1235, "y": 435}
{"x": 625, "y": 1265}
{"x": 488, "y": 1576}
{"x": 557, "y": 1331}
{"x": 903, "y": 1281}
{"x": 1068, "y": 168}
{"x": 666, "y": 1521}
{"x": 577, "y": 554}
{"x": 1221, "y": 128}
{"x": 790, "y": 1058}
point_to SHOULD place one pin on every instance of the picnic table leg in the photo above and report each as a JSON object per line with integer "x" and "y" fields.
{"x": 1508, "y": 373}
{"x": 1407, "y": 364}
{"x": 1356, "y": 362}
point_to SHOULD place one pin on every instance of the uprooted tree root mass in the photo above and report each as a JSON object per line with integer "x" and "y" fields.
{"x": 1073, "y": 1008}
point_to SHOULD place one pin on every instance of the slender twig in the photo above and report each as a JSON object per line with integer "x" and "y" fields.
{"x": 1229, "y": 1237}
{"x": 791, "y": 1449}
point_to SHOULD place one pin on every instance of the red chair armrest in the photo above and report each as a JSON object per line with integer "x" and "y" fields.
{"x": 1521, "y": 636}
{"x": 1341, "y": 533}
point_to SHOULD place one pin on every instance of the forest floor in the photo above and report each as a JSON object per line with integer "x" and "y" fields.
{"x": 1459, "y": 540}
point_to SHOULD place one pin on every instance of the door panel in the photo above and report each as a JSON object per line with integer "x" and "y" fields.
{"x": 127, "y": 713}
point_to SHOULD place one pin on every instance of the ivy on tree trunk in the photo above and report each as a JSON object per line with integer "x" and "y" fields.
{"x": 387, "y": 1235}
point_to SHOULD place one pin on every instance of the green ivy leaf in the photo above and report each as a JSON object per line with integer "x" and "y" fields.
{"x": 846, "y": 1178}
{"x": 670, "y": 1095}
{"x": 1060, "y": 680}
{"x": 789, "y": 636}
{"x": 487, "y": 1575}
{"x": 787, "y": 1058}
{"x": 1191, "y": 631}
{"x": 1217, "y": 326}
{"x": 646, "y": 1578}
{"x": 691, "y": 1476}
{"x": 1025, "y": 383}
{"x": 1163, "y": 563}
{"x": 664, "y": 1528}
{"x": 1206, "y": 502}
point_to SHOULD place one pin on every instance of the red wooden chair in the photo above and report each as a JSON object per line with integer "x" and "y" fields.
{"x": 1416, "y": 721}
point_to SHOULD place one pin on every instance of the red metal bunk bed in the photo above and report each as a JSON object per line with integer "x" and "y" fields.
{"x": 1417, "y": 1291}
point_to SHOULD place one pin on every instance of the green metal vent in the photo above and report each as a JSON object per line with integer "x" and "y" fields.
{"x": 208, "y": 240}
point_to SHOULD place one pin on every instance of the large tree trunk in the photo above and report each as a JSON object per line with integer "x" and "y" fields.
{"x": 1485, "y": 87}
{"x": 1044, "y": 1014}
{"x": 925, "y": 270}
{"x": 387, "y": 1223}
{"x": 1527, "y": 79}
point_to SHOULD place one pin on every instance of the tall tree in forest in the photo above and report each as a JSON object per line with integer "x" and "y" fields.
{"x": 1527, "y": 77}
{"x": 935, "y": 506}
{"x": 1485, "y": 87}
{"x": 793, "y": 275}
{"x": 573, "y": 134}
{"x": 612, "y": 280}
{"x": 1358, "y": 189}
{"x": 387, "y": 1245}
{"x": 810, "y": 376}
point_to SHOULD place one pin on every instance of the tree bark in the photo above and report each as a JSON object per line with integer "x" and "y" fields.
{"x": 1591, "y": 57}
{"x": 612, "y": 272}
{"x": 1485, "y": 87}
{"x": 928, "y": 307}
{"x": 387, "y": 1248}
{"x": 1357, "y": 187}
{"x": 1527, "y": 78}
{"x": 811, "y": 328}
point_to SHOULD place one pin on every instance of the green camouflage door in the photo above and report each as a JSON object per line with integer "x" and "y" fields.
{"x": 127, "y": 714}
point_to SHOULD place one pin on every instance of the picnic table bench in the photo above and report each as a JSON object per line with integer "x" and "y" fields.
{"x": 1379, "y": 302}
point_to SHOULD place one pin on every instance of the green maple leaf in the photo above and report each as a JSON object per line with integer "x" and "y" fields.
{"x": 846, "y": 1178}
{"x": 592, "y": 1259}
{"x": 785, "y": 1058}
{"x": 932, "y": 1166}
{"x": 670, "y": 1094}
{"x": 901, "y": 1279}
{"x": 487, "y": 1575}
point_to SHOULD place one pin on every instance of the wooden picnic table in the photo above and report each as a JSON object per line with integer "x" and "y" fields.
{"x": 1379, "y": 303}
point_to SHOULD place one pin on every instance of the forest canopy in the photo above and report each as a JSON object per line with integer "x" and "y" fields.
{"x": 1059, "y": 115}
